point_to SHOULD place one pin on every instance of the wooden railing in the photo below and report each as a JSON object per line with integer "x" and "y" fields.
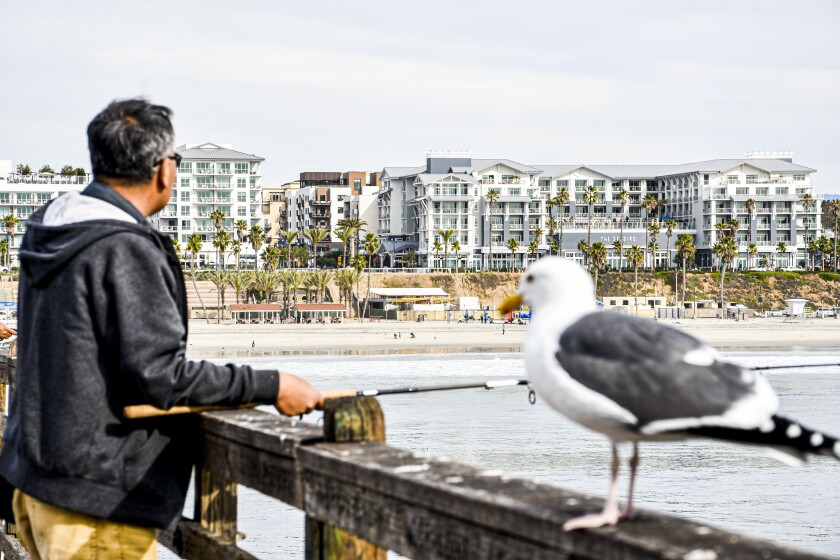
{"x": 345, "y": 478}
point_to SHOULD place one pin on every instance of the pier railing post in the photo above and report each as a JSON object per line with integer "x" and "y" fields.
{"x": 346, "y": 420}
{"x": 6, "y": 391}
{"x": 215, "y": 504}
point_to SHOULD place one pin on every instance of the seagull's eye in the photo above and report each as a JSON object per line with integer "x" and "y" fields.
{"x": 529, "y": 278}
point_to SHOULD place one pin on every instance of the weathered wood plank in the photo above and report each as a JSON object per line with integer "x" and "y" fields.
{"x": 261, "y": 430}
{"x": 389, "y": 496}
{"x": 346, "y": 420}
{"x": 191, "y": 540}
{"x": 215, "y": 504}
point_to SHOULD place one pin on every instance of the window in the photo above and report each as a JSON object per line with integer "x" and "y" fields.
{"x": 223, "y": 168}
{"x": 545, "y": 183}
{"x": 598, "y": 183}
{"x": 185, "y": 210}
{"x": 732, "y": 179}
{"x": 357, "y": 184}
{"x": 799, "y": 177}
{"x": 185, "y": 196}
{"x": 185, "y": 167}
{"x": 580, "y": 183}
{"x": 186, "y": 224}
{"x": 253, "y": 182}
{"x": 489, "y": 179}
{"x": 185, "y": 182}
{"x": 635, "y": 183}
{"x": 782, "y": 190}
{"x": 202, "y": 167}
{"x": 514, "y": 191}
{"x": 762, "y": 191}
{"x": 510, "y": 179}
{"x": 706, "y": 179}
{"x": 241, "y": 197}
{"x": 241, "y": 183}
{"x": 617, "y": 183}
{"x": 241, "y": 212}
{"x": 752, "y": 179}
{"x": 241, "y": 168}
{"x": 742, "y": 190}
{"x": 562, "y": 183}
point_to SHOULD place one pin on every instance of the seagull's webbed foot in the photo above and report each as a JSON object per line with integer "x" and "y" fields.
{"x": 593, "y": 520}
{"x": 610, "y": 515}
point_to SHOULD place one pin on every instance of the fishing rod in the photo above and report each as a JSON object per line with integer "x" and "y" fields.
{"x": 148, "y": 411}
{"x": 797, "y": 366}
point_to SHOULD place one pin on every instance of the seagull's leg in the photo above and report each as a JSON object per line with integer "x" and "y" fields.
{"x": 610, "y": 514}
{"x": 634, "y": 464}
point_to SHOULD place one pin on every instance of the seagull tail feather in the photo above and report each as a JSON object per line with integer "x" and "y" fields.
{"x": 783, "y": 434}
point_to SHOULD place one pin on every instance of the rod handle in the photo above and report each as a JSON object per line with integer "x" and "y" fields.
{"x": 339, "y": 394}
{"x": 138, "y": 411}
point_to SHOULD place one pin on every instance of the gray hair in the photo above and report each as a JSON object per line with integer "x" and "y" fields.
{"x": 129, "y": 138}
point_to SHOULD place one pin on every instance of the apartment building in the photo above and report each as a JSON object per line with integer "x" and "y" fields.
{"x": 213, "y": 177}
{"x": 21, "y": 195}
{"x": 325, "y": 198}
{"x": 451, "y": 191}
{"x": 275, "y": 210}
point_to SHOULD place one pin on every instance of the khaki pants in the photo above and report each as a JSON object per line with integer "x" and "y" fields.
{"x": 53, "y": 533}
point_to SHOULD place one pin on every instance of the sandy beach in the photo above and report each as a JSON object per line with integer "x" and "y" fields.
{"x": 351, "y": 337}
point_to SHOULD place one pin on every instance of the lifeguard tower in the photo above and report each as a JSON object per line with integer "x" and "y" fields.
{"x": 795, "y": 309}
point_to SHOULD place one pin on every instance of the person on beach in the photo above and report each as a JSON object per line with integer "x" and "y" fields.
{"x": 102, "y": 324}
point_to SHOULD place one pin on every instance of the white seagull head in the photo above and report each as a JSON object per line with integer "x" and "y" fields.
{"x": 554, "y": 282}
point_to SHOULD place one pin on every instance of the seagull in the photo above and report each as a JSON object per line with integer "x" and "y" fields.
{"x": 637, "y": 380}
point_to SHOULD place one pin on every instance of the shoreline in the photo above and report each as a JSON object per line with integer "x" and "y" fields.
{"x": 439, "y": 337}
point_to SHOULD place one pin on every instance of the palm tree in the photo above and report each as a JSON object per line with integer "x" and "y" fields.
{"x": 257, "y": 237}
{"x": 492, "y": 196}
{"x": 176, "y": 245}
{"x": 235, "y": 250}
{"x": 825, "y": 249}
{"x": 537, "y": 235}
{"x": 752, "y": 251}
{"x": 310, "y": 284}
{"x": 315, "y": 236}
{"x": 685, "y": 249}
{"x": 554, "y": 245}
{"x": 409, "y": 258}
{"x": 552, "y": 229}
{"x": 346, "y": 280}
{"x": 583, "y": 247}
{"x": 265, "y": 283}
{"x": 622, "y": 197}
{"x": 217, "y": 216}
{"x": 352, "y": 226}
{"x": 617, "y": 247}
{"x": 221, "y": 241}
{"x": 590, "y": 197}
{"x": 345, "y": 237}
{"x": 812, "y": 248}
{"x": 598, "y": 260}
{"x": 194, "y": 244}
{"x": 456, "y": 246}
{"x": 635, "y": 257}
{"x": 271, "y": 257}
{"x": 240, "y": 282}
{"x": 446, "y": 235}
{"x": 649, "y": 204}
{"x": 358, "y": 264}
{"x": 437, "y": 248}
{"x": 322, "y": 280}
{"x": 832, "y": 209}
{"x": 782, "y": 248}
{"x": 10, "y": 222}
{"x": 288, "y": 236}
{"x": 670, "y": 226}
{"x": 219, "y": 279}
{"x": 562, "y": 199}
{"x": 533, "y": 249}
{"x": 4, "y": 250}
{"x": 750, "y": 206}
{"x": 239, "y": 229}
{"x": 808, "y": 201}
{"x": 725, "y": 250}
{"x": 295, "y": 279}
{"x": 512, "y": 245}
{"x": 653, "y": 229}
{"x": 371, "y": 246}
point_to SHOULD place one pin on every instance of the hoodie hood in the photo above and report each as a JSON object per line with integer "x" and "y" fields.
{"x": 61, "y": 229}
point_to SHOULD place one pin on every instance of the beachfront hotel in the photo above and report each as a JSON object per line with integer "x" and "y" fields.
{"x": 450, "y": 192}
{"x": 213, "y": 177}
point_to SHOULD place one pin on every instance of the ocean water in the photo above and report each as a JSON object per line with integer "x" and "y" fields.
{"x": 733, "y": 487}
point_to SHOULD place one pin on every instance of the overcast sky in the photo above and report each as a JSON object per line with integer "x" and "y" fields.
{"x": 338, "y": 85}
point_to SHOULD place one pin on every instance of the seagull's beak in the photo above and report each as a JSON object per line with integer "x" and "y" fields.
{"x": 510, "y": 304}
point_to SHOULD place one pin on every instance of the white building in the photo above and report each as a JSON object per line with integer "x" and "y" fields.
{"x": 451, "y": 191}
{"x": 21, "y": 195}
{"x": 213, "y": 177}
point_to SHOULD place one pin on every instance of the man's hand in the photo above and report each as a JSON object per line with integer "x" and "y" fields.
{"x": 6, "y": 332}
{"x": 297, "y": 396}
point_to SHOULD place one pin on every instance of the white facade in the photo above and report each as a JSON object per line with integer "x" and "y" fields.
{"x": 451, "y": 193}
{"x": 323, "y": 206}
{"x": 213, "y": 177}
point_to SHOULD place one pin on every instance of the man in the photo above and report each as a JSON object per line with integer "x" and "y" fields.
{"x": 103, "y": 324}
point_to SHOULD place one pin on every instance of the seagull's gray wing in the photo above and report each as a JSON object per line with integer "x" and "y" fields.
{"x": 640, "y": 365}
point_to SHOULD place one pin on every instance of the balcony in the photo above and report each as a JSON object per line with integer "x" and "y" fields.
{"x": 516, "y": 227}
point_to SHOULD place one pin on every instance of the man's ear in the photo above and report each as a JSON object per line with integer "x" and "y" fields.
{"x": 166, "y": 175}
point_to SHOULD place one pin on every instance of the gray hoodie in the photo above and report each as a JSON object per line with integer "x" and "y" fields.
{"x": 102, "y": 324}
